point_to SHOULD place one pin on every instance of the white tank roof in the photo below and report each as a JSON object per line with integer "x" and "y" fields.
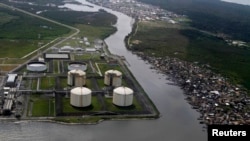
{"x": 67, "y": 48}
{"x": 81, "y": 91}
{"x": 123, "y": 91}
{"x": 79, "y": 72}
{"x": 116, "y": 72}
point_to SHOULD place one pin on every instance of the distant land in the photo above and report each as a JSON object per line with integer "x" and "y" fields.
{"x": 244, "y": 2}
{"x": 224, "y": 20}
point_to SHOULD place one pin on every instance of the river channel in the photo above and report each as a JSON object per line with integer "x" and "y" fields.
{"x": 178, "y": 121}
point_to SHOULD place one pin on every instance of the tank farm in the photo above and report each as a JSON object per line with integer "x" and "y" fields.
{"x": 76, "y": 83}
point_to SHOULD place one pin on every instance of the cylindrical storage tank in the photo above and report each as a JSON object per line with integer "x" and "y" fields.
{"x": 123, "y": 96}
{"x": 113, "y": 78}
{"x": 80, "y": 97}
{"x": 76, "y": 78}
{"x": 77, "y": 66}
{"x": 36, "y": 66}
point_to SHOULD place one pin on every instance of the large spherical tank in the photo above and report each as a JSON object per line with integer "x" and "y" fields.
{"x": 113, "y": 78}
{"x": 76, "y": 78}
{"x": 80, "y": 97}
{"x": 123, "y": 96}
{"x": 77, "y": 65}
{"x": 36, "y": 66}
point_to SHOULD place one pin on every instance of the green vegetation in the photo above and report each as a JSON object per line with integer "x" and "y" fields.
{"x": 93, "y": 32}
{"x": 22, "y": 32}
{"x": 100, "y": 18}
{"x": 14, "y": 29}
{"x": 38, "y": 32}
{"x": 27, "y": 33}
{"x": 6, "y": 18}
{"x": 41, "y": 106}
{"x": 111, "y": 107}
{"x": 157, "y": 43}
{"x": 192, "y": 45}
{"x": 104, "y": 67}
{"x": 34, "y": 84}
{"x": 63, "y": 82}
{"x": 56, "y": 66}
{"x": 24, "y": 47}
{"x": 89, "y": 56}
{"x": 212, "y": 15}
{"x": 47, "y": 83}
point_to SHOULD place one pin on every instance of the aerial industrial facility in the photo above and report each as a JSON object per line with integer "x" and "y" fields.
{"x": 74, "y": 82}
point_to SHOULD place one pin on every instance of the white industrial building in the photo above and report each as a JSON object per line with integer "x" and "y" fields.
{"x": 113, "y": 78}
{"x": 76, "y": 78}
{"x": 123, "y": 96}
{"x": 11, "y": 80}
{"x": 80, "y": 97}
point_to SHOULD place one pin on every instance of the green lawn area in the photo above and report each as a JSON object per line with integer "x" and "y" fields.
{"x": 105, "y": 67}
{"x": 111, "y": 107}
{"x": 95, "y": 32}
{"x": 63, "y": 82}
{"x": 34, "y": 84}
{"x": 42, "y": 106}
{"x": 8, "y": 47}
{"x": 5, "y": 18}
{"x": 47, "y": 83}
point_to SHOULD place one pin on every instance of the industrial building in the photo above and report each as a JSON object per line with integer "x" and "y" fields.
{"x": 8, "y": 103}
{"x": 61, "y": 56}
{"x": 11, "y": 80}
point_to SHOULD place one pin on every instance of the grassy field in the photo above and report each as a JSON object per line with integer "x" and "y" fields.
{"x": 22, "y": 32}
{"x": 105, "y": 67}
{"x": 95, "y": 32}
{"x": 42, "y": 106}
{"x": 192, "y": 45}
{"x": 111, "y": 107}
{"x": 47, "y": 83}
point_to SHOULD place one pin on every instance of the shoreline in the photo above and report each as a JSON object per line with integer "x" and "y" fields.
{"x": 217, "y": 100}
{"x": 63, "y": 120}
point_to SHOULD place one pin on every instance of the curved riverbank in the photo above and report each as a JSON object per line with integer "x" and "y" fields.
{"x": 178, "y": 121}
{"x": 219, "y": 101}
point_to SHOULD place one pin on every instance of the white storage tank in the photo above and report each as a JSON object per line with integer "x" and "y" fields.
{"x": 76, "y": 78}
{"x": 36, "y": 66}
{"x": 77, "y": 66}
{"x": 113, "y": 78}
{"x": 80, "y": 97}
{"x": 123, "y": 96}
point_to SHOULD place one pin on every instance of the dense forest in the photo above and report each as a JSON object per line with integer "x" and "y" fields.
{"x": 216, "y": 16}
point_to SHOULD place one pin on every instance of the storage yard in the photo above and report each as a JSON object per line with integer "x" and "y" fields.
{"x": 74, "y": 83}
